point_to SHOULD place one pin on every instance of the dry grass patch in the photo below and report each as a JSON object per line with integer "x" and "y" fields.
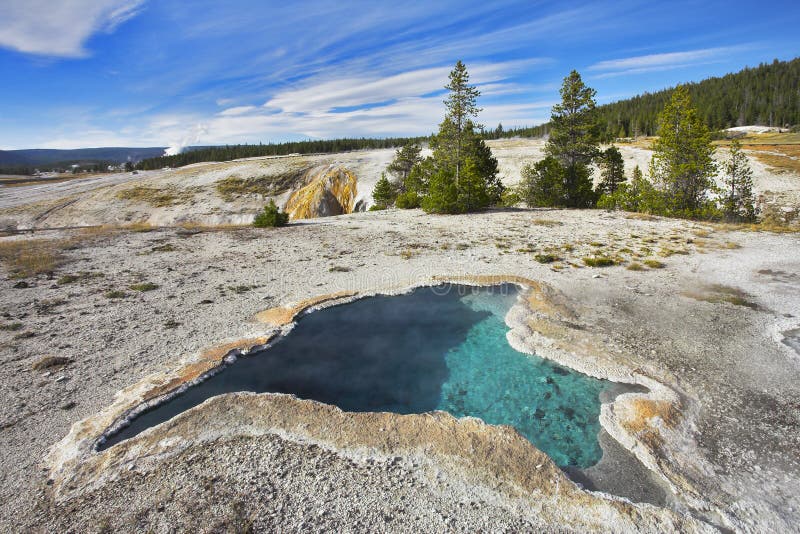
{"x": 144, "y": 286}
{"x": 702, "y": 232}
{"x": 546, "y": 222}
{"x": 30, "y": 257}
{"x": 99, "y": 231}
{"x": 767, "y": 138}
{"x": 654, "y": 264}
{"x": 599, "y": 261}
{"x": 50, "y": 362}
{"x": 635, "y": 267}
{"x": 156, "y": 197}
{"x": 667, "y": 252}
{"x": 718, "y": 293}
{"x": 234, "y": 187}
{"x": 83, "y": 275}
{"x": 641, "y": 216}
{"x": 773, "y": 220}
{"x": 638, "y": 142}
{"x": 782, "y": 159}
{"x": 546, "y": 258}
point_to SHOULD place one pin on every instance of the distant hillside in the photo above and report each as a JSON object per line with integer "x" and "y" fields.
{"x": 25, "y": 161}
{"x": 230, "y": 152}
{"x": 767, "y": 95}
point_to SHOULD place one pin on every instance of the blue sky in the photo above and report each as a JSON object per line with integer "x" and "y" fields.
{"x": 81, "y": 73}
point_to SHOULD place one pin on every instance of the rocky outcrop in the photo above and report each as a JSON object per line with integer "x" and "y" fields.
{"x": 283, "y": 315}
{"x": 331, "y": 191}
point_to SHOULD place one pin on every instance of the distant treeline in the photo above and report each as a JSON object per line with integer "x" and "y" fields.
{"x": 767, "y": 95}
{"x": 230, "y": 152}
{"x": 58, "y": 166}
{"x": 523, "y": 131}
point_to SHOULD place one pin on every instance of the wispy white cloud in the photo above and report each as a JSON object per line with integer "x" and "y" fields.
{"x": 238, "y": 110}
{"x": 266, "y": 71}
{"x": 321, "y": 95}
{"x": 659, "y": 62}
{"x": 60, "y": 28}
{"x": 408, "y": 103}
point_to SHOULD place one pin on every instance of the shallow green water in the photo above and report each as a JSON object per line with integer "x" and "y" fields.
{"x": 441, "y": 348}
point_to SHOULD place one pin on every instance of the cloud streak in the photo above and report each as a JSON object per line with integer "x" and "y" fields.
{"x": 659, "y": 62}
{"x": 408, "y": 103}
{"x": 60, "y": 29}
{"x": 251, "y": 71}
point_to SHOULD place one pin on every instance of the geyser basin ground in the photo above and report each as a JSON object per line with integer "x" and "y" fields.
{"x": 436, "y": 348}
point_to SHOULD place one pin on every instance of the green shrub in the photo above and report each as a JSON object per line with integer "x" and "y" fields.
{"x": 408, "y": 200}
{"x": 655, "y": 264}
{"x": 510, "y": 198}
{"x": 442, "y": 194}
{"x": 598, "y": 261}
{"x": 144, "y": 286}
{"x": 545, "y": 258}
{"x": 384, "y": 193}
{"x": 542, "y": 184}
{"x": 271, "y": 217}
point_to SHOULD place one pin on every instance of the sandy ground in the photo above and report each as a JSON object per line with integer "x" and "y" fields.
{"x": 715, "y": 332}
{"x": 733, "y": 464}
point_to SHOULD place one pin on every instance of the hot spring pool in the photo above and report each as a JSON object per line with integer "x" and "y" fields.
{"x": 436, "y": 348}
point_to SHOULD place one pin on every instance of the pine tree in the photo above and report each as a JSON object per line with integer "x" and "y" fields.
{"x": 738, "y": 201}
{"x": 682, "y": 165}
{"x": 404, "y": 160}
{"x": 574, "y": 139}
{"x": 612, "y": 171}
{"x": 442, "y": 196}
{"x": 640, "y": 195}
{"x": 542, "y": 184}
{"x": 636, "y": 195}
{"x": 384, "y": 193}
{"x": 636, "y": 189}
{"x": 461, "y": 107}
{"x": 461, "y": 176}
{"x": 487, "y": 169}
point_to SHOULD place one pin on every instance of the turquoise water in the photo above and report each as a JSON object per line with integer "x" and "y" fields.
{"x": 439, "y": 348}
{"x": 555, "y": 408}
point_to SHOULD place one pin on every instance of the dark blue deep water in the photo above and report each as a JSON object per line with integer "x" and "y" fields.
{"x": 440, "y": 348}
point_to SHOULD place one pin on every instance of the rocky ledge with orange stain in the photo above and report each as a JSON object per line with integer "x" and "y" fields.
{"x": 331, "y": 191}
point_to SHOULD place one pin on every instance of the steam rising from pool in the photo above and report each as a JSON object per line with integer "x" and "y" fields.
{"x": 436, "y": 348}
